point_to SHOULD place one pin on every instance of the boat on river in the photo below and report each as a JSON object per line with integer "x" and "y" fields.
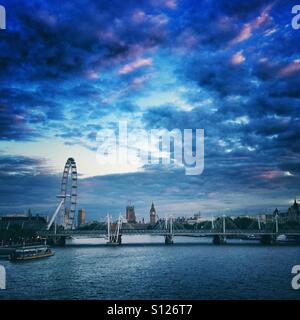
{"x": 26, "y": 253}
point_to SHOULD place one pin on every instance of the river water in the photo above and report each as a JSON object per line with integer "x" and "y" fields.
{"x": 144, "y": 268}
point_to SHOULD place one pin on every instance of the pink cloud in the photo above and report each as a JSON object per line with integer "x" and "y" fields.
{"x": 171, "y": 4}
{"x": 238, "y": 58}
{"x": 272, "y": 174}
{"x": 92, "y": 75}
{"x": 138, "y": 16}
{"x": 248, "y": 28}
{"x": 264, "y": 17}
{"x": 188, "y": 38}
{"x": 47, "y": 18}
{"x": 290, "y": 68}
{"x": 138, "y": 82}
{"x": 107, "y": 35}
{"x": 245, "y": 34}
{"x": 159, "y": 20}
{"x": 225, "y": 23}
{"x": 130, "y": 67}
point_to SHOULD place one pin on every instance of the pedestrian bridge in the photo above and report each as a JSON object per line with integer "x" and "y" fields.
{"x": 181, "y": 232}
{"x": 218, "y": 229}
{"x": 218, "y": 236}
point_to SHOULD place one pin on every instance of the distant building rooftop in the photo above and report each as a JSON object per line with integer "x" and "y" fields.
{"x": 27, "y": 222}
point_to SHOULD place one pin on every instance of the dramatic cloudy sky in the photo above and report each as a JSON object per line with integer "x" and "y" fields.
{"x": 71, "y": 68}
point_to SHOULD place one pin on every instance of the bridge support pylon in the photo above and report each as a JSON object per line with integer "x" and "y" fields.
{"x": 56, "y": 241}
{"x": 169, "y": 230}
{"x": 219, "y": 239}
{"x": 268, "y": 239}
{"x": 115, "y": 241}
{"x": 169, "y": 239}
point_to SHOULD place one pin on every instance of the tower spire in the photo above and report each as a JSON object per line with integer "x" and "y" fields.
{"x": 152, "y": 214}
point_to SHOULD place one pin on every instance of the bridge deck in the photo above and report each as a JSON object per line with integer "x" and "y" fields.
{"x": 183, "y": 232}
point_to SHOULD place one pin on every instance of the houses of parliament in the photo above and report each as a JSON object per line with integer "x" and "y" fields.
{"x": 131, "y": 217}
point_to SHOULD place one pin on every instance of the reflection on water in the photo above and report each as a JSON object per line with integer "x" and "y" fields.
{"x": 149, "y": 239}
{"x": 193, "y": 268}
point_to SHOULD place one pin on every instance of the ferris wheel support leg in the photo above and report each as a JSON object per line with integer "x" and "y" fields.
{"x": 55, "y": 214}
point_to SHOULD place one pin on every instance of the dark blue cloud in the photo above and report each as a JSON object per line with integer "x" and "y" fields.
{"x": 68, "y": 69}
